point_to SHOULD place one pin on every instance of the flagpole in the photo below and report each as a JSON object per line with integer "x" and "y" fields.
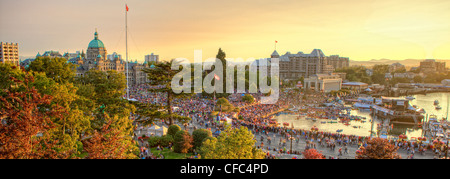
{"x": 126, "y": 43}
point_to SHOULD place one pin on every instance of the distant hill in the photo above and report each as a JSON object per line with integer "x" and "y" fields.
{"x": 407, "y": 62}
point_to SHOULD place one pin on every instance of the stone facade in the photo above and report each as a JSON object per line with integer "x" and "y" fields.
{"x": 294, "y": 66}
{"x": 432, "y": 66}
{"x": 323, "y": 83}
{"x": 96, "y": 58}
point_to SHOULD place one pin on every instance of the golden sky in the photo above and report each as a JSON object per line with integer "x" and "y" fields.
{"x": 358, "y": 29}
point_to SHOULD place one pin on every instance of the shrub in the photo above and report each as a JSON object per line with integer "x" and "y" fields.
{"x": 182, "y": 142}
{"x": 199, "y": 135}
{"x": 248, "y": 98}
{"x": 166, "y": 140}
{"x": 173, "y": 129}
{"x": 154, "y": 141}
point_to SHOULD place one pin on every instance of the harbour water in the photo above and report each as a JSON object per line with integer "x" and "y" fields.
{"x": 360, "y": 128}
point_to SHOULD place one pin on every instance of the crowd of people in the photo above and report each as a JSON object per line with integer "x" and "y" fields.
{"x": 257, "y": 117}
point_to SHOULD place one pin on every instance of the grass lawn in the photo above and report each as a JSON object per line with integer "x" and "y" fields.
{"x": 168, "y": 154}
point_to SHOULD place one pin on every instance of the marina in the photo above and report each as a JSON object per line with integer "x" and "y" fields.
{"x": 409, "y": 117}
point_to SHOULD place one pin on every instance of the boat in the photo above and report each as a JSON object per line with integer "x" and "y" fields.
{"x": 410, "y": 98}
{"x": 421, "y": 110}
{"x": 359, "y": 105}
{"x": 436, "y": 102}
{"x": 433, "y": 118}
{"x": 340, "y": 130}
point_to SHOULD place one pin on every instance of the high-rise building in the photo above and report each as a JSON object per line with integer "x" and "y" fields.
{"x": 294, "y": 66}
{"x": 152, "y": 58}
{"x": 9, "y": 53}
{"x": 114, "y": 54}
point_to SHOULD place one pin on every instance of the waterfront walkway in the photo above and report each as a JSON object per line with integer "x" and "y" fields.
{"x": 301, "y": 145}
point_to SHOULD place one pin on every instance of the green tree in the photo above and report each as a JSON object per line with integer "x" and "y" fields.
{"x": 55, "y": 68}
{"x": 102, "y": 98}
{"x": 356, "y": 73}
{"x": 248, "y": 98}
{"x": 199, "y": 136}
{"x": 231, "y": 144}
{"x": 379, "y": 72}
{"x": 162, "y": 74}
{"x": 108, "y": 87}
{"x": 224, "y": 105}
{"x": 182, "y": 142}
{"x": 70, "y": 125}
{"x": 221, "y": 55}
{"x": 173, "y": 129}
{"x": 105, "y": 91}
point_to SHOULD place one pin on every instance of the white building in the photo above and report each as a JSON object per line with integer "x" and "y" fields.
{"x": 323, "y": 82}
{"x": 152, "y": 58}
{"x": 113, "y": 55}
{"x": 9, "y": 53}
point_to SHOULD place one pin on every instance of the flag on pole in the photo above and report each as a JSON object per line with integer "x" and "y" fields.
{"x": 126, "y": 6}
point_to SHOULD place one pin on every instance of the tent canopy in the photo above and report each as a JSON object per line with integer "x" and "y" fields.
{"x": 160, "y": 131}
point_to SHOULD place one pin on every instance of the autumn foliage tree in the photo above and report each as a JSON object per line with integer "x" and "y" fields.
{"x": 378, "y": 148}
{"x": 108, "y": 143}
{"x": 26, "y": 122}
{"x": 182, "y": 142}
{"x": 312, "y": 154}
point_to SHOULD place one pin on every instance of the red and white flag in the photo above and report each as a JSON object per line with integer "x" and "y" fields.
{"x": 216, "y": 77}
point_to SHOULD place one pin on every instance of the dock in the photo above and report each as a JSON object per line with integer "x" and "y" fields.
{"x": 275, "y": 112}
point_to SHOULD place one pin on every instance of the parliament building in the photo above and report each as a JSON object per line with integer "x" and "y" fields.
{"x": 96, "y": 58}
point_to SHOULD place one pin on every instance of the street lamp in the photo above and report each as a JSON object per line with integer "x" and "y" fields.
{"x": 185, "y": 125}
{"x": 291, "y": 137}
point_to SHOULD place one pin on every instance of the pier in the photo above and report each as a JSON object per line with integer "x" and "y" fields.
{"x": 275, "y": 112}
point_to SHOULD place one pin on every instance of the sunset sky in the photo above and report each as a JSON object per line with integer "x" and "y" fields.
{"x": 358, "y": 29}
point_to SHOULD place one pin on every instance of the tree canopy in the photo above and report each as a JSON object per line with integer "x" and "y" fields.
{"x": 378, "y": 148}
{"x": 161, "y": 75}
{"x": 231, "y": 144}
{"x": 57, "y": 69}
{"x": 52, "y": 117}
